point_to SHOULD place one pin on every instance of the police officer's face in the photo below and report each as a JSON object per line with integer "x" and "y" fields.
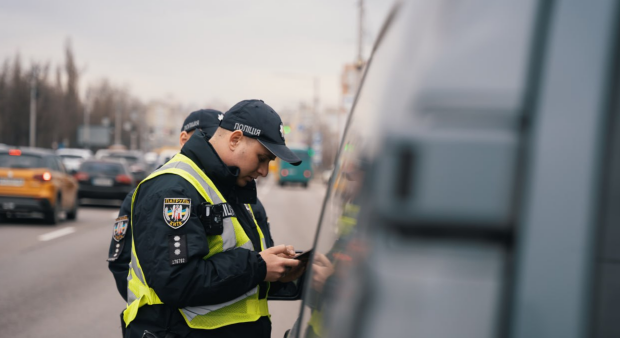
{"x": 252, "y": 159}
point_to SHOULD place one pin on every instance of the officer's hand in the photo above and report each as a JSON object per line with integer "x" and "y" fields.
{"x": 322, "y": 268}
{"x": 289, "y": 253}
{"x": 294, "y": 273}
{"x": 276, "y": 265}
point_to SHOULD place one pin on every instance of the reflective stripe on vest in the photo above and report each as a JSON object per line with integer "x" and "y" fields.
{"x": 262, "y": 237}
{"x": 229, "y": 239}
{"x": 245, "y": 308}
{"x": 192, "y": 311}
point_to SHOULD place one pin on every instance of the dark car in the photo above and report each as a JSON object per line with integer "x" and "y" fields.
{"x": 104, "y": 179}
{"x": 133, "y": 158}
{"x": 476, "y": 192}
{"x": 34, "y": 182}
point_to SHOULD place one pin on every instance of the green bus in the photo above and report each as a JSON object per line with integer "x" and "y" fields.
{"x": 302, "y": 173}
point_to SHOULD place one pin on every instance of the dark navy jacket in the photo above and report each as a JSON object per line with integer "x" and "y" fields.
{"x": 118, "y": 261}
{"x": 222, "y": 277}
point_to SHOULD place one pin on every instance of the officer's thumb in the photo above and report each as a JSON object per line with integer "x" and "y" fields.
{"x": 278, "y": 249}
{"x": 291, "y": 263}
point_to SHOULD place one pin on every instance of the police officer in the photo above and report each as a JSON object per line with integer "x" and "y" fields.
{"x": 199, "y": 263}
{"x": 119, "y": 253}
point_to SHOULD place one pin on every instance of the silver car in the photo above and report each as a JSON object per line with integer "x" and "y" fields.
{"x": 73, "y": 157}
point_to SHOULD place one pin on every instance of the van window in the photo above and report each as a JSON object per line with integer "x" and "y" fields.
{"x": 302, "y": 154}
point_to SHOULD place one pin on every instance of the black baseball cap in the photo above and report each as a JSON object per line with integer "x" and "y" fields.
{"x": 206, "y": 120}
{"x": 259, "y": 121}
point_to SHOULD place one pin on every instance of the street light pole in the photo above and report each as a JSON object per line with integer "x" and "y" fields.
{"x": 315, "y": 106}
{"x": 87, "y": 109}
{"x": 360, "y": 34}
{"x": 117, "y": 124}
{"x": 33, "y": 106}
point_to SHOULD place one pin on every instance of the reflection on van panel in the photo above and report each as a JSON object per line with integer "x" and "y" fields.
{"x": 476, "y": 189}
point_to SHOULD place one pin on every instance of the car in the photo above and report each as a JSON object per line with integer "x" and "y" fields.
{"x": 476, "y": 190}
{"x": 302, "y": 174}
{"x": 35, "y": 183}
{"x": 134, "y": 158}
{"x": 108, "y": 179}
{"x": 73, "y": 157}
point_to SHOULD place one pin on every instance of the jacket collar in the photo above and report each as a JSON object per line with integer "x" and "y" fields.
{"x": 200, "y": 151}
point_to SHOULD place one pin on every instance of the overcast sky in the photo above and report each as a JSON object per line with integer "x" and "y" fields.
{"x": 197, "y": 51}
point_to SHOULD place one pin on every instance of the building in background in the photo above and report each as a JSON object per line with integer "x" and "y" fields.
{"x": 163, "y": 120}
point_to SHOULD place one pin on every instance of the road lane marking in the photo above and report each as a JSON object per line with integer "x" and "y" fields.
{"x": 55, "y": 234}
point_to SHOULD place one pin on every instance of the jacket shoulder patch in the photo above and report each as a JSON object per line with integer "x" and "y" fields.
{"x": 120, "y": 228}
{"x": 177, "y": 211}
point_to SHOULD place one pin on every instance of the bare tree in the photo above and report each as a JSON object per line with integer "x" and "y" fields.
{"x": 4, "y": 118}
{"x": 60, "y": 111}
{"x": 72, "y": 106}
{"x": 16, "y": 109}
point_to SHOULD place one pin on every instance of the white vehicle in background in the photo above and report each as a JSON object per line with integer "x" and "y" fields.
{"x": 165, "y": 156}
{"x": 73, "y": 157}
{"x": 150, "y": 159}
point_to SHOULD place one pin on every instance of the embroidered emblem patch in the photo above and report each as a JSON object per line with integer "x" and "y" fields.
{"x": 120, "y": 228}
{"x": 176, "y": 211}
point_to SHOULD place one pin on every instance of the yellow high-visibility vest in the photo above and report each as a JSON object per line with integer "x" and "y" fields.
{"x": 245, "y": 308}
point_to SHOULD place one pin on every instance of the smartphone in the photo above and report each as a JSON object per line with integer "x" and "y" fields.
{"x": 304, "y": 256}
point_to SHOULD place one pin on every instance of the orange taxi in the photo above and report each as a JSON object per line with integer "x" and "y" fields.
{"x": 34, "y": 182}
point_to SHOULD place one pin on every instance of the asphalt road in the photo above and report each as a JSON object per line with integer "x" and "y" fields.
{"x": 55, "y": 281}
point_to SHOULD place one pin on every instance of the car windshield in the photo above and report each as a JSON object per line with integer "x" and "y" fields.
{"x": 67, "y": 156}
{"x": 111, "y": 169}
{"x": 22, "y": 161}
{"x": 129, "y": 158}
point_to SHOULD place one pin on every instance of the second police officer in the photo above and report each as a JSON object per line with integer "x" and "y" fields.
{"x": 119, "y": 254}
{"x": 200, "y": 266}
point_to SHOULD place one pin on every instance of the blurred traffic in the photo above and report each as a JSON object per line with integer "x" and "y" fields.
{"x": 105, "y": 179}
{"x": 465, "y": 185}
{"x": 42, "y": 260}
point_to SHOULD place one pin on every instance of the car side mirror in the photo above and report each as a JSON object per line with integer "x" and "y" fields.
{"x": 289, "y": 291}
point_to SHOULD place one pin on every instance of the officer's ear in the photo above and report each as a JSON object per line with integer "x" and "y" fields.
{"x": 184, "y": 137}
{"x": 235, "y": 139}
